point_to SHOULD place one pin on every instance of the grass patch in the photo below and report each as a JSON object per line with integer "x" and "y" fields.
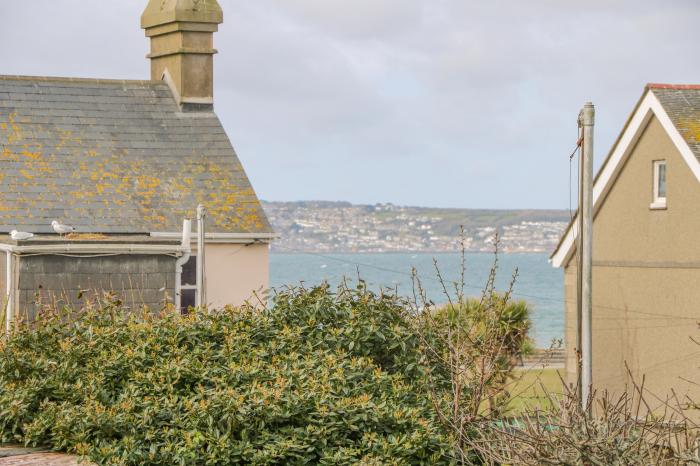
{"x": 528, "y": 391}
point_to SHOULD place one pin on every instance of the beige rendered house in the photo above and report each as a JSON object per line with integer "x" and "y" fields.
{"x": 646, "y": 250}
{"x": 125, "y": 162}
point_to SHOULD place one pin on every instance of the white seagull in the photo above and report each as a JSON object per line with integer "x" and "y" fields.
{"x": 62, "y": 229}
{"x": 20, "y": 235}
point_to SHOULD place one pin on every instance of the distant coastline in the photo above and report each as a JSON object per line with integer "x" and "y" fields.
{"x": 342, "y": 227}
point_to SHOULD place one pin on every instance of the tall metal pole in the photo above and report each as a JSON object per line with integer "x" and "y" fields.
{"x": 586, "y": 210}
{"x": 9, "y": 304}
{"x": 579, "y": 263}
{"x": 201, "y": 298}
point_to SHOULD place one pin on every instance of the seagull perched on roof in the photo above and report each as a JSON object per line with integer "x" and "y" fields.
{"x": 61, "y": 228}
{"x": 20, "y": 235}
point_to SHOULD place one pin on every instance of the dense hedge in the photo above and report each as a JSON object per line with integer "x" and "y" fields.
{"x": 323, "y": 377}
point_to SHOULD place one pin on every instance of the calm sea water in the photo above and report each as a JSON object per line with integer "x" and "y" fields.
{"x": 538, "y": 282}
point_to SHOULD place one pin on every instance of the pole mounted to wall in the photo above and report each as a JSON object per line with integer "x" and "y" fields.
{"x": 201, "y": 298}
{"x": 587, "y": 122}
{"x": 9, "y": 295}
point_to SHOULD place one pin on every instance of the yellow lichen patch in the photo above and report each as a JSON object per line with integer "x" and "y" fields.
{"x": 228, "y": 205}
{"x": 12, "y": 131}
{"x": 146, "y": 184}
{"x": 27, "y": 174}
{"x": 101, "y": 187}
{"x": 80, "y": 195}
{"x": 14, "y": 134}
{"x": 86, "y": 236}
{"x": 31, "y": 155}
{"x": 690, "y": 128}
{"x": 154, "y": 219}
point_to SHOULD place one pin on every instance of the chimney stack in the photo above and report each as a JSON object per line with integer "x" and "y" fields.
{"x": 182, "y": 48}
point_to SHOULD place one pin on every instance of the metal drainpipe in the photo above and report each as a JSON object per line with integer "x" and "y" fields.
{"x": 187, "y": 250}
{"x": 201, "y": 299}
{"x": 9, "y": 282}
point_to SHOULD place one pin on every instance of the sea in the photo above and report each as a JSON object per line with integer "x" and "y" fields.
{"x": 537, "y": 282}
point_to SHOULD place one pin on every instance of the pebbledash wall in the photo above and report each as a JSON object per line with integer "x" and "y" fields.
{"x": 138, "y": 280}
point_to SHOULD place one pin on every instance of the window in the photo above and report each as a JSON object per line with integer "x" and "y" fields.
{"x": 188, "y": 285}
{"x": 659, "y": 198}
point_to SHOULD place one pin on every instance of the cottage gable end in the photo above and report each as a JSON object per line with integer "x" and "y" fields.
{"x": 628, "y": 230}
{"x": 649, "y": 112}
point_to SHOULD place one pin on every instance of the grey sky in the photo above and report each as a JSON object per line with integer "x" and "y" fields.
{"x": 456, "y": 103}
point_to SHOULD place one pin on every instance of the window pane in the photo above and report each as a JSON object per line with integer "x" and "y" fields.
{"x": 661, "y": 188}
{"x": 189, "y": 272}
{"x": 187, "y": 300}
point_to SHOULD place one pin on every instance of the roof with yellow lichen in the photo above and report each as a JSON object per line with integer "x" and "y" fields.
{"x": 115, "y": 157}
{"x": 682, "y": 104}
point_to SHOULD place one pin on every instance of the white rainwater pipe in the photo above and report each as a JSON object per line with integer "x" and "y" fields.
{"x": 201, "y": 299}
{"x": 186, "y": 253}
{"x": 9, "y": 284}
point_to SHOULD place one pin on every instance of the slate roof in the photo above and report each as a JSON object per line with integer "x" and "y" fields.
{"x": 115, "y": 157}
{"x": 682, "y": 104}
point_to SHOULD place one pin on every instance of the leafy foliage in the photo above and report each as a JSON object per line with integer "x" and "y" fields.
{"x": 322, "y": 377}
{"x": 476, "y": 320}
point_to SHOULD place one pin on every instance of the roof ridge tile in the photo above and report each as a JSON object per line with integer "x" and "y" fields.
{"x": 673, "y": 86}
{"x": 78, "y": 80}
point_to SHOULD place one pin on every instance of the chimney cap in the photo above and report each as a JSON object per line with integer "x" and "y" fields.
{"x": 160, "y": 12}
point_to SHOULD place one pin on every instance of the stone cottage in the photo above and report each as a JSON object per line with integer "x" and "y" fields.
{"x": 125, "y": 162}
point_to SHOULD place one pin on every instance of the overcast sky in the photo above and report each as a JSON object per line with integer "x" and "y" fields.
{"x": 455, "y": 103}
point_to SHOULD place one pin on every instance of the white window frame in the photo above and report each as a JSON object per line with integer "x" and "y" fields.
{"x": 658, "y": 202}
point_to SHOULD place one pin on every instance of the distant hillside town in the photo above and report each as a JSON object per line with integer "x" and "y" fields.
{"x": 320, "y": 226}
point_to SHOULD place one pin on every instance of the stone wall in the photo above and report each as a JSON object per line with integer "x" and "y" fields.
{"x": 138, "y": 280}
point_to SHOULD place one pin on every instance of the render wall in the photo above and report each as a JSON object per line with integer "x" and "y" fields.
{"x": 235, "y": 271}
{"x": 139, "y": 280}
{"x": 646, "y": 271}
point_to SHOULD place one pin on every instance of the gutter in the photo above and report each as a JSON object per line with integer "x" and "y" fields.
{"x": 222, "y": 237}
{"x": 92, "y": 248}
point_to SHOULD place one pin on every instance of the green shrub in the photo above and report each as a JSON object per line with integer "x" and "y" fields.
{"x": 495, "y": 318}
{"x": 321, "y": 377}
